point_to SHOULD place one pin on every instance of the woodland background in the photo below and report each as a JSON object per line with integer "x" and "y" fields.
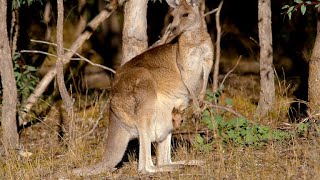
{"x": 282, "y": 143}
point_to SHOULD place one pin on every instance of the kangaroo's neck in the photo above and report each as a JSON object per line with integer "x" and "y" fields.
{"x": 194, "y": 36}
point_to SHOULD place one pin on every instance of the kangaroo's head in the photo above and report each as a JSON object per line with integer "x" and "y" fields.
{"x": 186, "y": 15}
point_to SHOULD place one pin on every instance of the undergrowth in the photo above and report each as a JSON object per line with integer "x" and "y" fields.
{"x": 237, "y": 129}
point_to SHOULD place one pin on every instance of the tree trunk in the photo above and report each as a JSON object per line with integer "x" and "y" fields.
{"x": 314, "y": 76}
{"x": 267, "y": 92}
{"x": 215, "y": 83}
{"x": 10, "y": 135}
{"x": 134, "y": 35}
{"x": 68, "y": 105}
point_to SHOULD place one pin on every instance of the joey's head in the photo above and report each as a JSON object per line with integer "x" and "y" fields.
{"x": 185, "y": 15}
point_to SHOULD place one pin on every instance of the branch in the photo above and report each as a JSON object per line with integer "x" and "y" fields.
{"x": 166, "y": 38}
{"x": 224, "y": 108}
{"x": 81, "y": 57}
{"x": 234, "y": 67}
{"x": 218, "y": 51}
{"x": 211, "y": 12}
{"x": 45, "y": 81}
{"x": 100, "y": 117}
{"x": 38, "y": 52}
{"x": 199, "y": 131}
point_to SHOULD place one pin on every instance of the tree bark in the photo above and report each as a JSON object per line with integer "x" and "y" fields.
{"x": 134, "y": 35}
{"x": 267, "y": 92}
{"x": 68, "y": 105}
{"x": 314, "y": 76}
{"x": 215, "y": 85}
{"x": 10, "y": 135}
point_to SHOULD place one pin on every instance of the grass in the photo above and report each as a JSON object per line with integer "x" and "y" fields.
{"x": 294, "y": 158}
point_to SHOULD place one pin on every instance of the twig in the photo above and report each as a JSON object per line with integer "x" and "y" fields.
{"x": 310, "y": 116}
{"x": 210, "y": 12}
{"x": 218, "y": 51}
{"x": 100, "y": 117}
{"x": 74, "y": 59}
{"x": 38, "y": 52}
{"x": 191, "y": 131}
{"x": 208, "y": 104}
{"x": 82, "y": 58}
{"x": 224, "y": 108}
{"x": 234, "y": 67}
{"x": 94, "y": 64}
{"x": 164, "y": 39}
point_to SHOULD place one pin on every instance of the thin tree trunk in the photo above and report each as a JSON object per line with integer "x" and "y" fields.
{"x": 46, "y": 19}
{"x": 134, "y": 37}
{"x": 82, "y": 16}
{"x": 267, "y": 92}
{"x": 10, "y": 135}
{"x": 45, "y": 81}
{"x": 68, "y": 105}
{"x": 215, "y": 85}
{"x": 67, "y": 100}
{"x": 314, "y": 76}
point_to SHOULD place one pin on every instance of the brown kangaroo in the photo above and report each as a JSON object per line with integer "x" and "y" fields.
{"x": 147, "y": 89}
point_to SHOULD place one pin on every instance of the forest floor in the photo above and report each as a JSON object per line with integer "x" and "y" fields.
{"x": 48, "y": 156}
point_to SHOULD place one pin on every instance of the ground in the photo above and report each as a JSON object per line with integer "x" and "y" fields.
{"x": 53, "y": 157}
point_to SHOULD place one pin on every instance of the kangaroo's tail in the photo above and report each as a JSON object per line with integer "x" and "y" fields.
{"x": 116, "y": 144}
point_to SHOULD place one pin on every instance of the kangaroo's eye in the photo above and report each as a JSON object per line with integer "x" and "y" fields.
{"x": 185, "y": 15}
{"x": 170, "y": 18}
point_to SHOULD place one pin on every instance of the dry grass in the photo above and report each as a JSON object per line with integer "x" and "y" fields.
{"x": 297, "y": 158}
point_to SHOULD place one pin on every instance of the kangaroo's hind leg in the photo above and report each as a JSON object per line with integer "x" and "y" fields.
{"x": 164, "y": 156}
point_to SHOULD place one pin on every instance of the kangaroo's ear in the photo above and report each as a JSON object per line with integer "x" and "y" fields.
{"x": 173, "y": 3}
{"x": 193, "y": 3}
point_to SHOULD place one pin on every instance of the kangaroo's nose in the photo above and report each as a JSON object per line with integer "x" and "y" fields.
{"x": 173, "y": 29}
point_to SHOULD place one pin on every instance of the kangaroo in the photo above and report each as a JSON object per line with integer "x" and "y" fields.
{"x": 177, "y": 118}
{"x": 146, "y": 89}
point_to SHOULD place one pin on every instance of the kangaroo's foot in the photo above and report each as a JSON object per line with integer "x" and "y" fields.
{"x": 92, "y": 170}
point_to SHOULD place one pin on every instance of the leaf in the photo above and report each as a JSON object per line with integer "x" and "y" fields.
{"x": 16, "y": 56}
{"x": 206, "y": 113}
{"x": 290, "y": 9}
{"x": 285, "y": 6}
{"x": 298, "y": 1}
{"x": 209, "y": 92}
{"x": 308, "y": 2}
{"x": 229, "y": 102}
{"x": 316, "y": 6}
{"x": 31, "y": 68}
{"x": 232, "y": 134}
{"x": 199, "y": 139}
{"x": 218, "y": 118}
{"x": 289, "y": 15}
{"x": 303, "y": 9}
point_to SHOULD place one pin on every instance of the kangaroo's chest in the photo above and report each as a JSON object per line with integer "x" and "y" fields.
{"x": 191, "y": 64}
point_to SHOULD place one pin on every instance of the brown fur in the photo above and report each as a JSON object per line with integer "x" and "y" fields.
{"x": 147, "y": 89}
